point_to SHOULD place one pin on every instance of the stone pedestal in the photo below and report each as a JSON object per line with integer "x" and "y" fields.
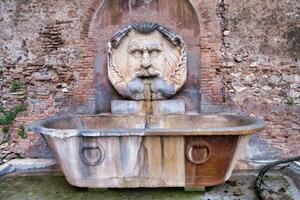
{"x": 176, "y": 106}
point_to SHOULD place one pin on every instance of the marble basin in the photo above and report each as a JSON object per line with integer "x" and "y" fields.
{"x": 176, "y": 150}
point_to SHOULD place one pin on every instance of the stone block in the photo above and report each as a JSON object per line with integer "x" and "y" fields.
{"x": 176, "y": 106}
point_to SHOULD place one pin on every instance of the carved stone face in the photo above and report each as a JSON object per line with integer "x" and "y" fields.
{"x": 146, "y": 66}
{"x": 146, "y": 58}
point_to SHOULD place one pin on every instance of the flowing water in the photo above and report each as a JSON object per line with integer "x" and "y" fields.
{"x": 147, "y": 104}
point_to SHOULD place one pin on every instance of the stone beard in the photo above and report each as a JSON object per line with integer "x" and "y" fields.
{"x": 146, "y": 66}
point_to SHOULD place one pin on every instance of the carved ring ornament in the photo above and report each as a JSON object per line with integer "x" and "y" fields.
{"x": 146, "y": 61}
{"x": 203, "y": 147}
{"x": 92, "y": 154}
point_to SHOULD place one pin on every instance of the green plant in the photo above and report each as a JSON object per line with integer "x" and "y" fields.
{"x": 5, "y": 129}
{"x": 8, "y": 116}
{"x": 1, "y": 109}
{"x": 4, "y": 141}
{"x": 21, "y": 132}
{"x": 15, "y": 85}
{"x": 289, "y": 102}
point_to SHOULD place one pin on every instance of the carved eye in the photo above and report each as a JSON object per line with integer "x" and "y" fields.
{"x": 136, "y": 53}
{"x": 154, "y": 53}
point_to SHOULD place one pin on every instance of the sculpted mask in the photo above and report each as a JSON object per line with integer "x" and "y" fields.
{"x": 146, "y": 62}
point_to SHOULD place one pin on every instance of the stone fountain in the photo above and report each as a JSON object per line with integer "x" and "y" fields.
{"x": 148, "y": 139}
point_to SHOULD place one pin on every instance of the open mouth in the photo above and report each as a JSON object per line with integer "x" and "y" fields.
{"x": 147, "y": 75}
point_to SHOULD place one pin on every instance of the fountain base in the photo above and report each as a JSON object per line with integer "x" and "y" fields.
{"x": 151, "y": 161}
{"x": 121, "y": 151}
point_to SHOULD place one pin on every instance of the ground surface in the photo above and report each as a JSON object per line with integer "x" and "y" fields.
{"x": 240, "y": 186}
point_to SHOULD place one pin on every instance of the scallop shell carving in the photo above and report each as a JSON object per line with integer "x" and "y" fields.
{"x": 147, "y": 61}
{"x": 145, "y": 27}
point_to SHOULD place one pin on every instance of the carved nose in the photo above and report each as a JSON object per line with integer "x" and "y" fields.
{"x": 146, "y": 62}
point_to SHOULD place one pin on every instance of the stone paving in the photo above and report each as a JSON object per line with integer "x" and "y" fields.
{"x": 278, "y": 186}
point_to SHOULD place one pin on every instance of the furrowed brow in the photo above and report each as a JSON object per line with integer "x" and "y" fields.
{"x": 133, "y": 46}
{"x": 155, "y": 45}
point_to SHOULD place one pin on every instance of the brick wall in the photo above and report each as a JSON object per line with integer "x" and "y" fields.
{"x": 51, "y": 46}
{"x": 261, "y": 68}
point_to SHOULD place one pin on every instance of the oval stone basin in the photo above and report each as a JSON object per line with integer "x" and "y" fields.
{"x": 126, "y": 151}
{"x": 139, "y": 125}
